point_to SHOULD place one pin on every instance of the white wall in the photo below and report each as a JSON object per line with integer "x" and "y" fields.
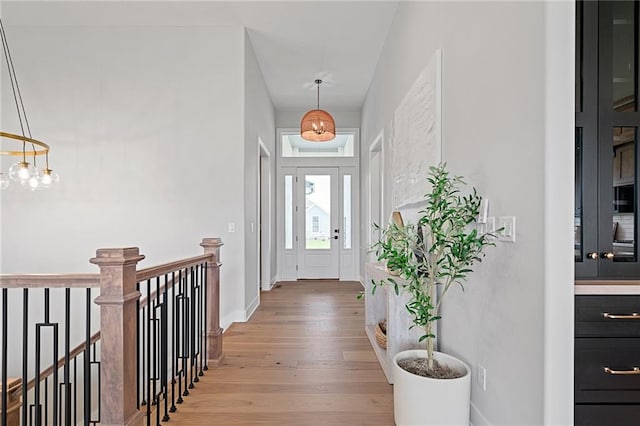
{"x": 146, "y": 128}
{"x": 496, "y": 83}
{"x": 259, "y": 122}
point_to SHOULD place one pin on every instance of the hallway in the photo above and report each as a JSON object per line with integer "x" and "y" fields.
{"x": 302, "y": 359}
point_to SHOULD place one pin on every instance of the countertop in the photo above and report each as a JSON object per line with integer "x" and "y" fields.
{"x": 611, "y": 287}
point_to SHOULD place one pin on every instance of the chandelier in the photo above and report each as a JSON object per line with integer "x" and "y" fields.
{"x": 25, "y": 170}
{"x": 317, "y": 125}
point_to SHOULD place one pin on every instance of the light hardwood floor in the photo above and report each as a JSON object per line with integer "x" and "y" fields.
{"x": 302, "y": 359}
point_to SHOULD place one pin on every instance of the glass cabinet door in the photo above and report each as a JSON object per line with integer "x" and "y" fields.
{"x": 606, "y": 154}
{"x": 585, "y": 224}
{"x": 618, "y": 122}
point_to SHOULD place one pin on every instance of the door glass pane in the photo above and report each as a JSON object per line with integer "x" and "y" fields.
{"x": 317, "y": 189}
{"x": 623, "y": 48}
{"x": 577, "y": 217}
{"x": 346, "y": 216}
{"x": 295, "y": 146}
{"x": 579, "y": 44}
{"x": 288, "y": 212}
{"x": 624, "y": 200}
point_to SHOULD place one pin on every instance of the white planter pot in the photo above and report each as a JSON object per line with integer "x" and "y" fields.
{"x": 422, "y": 401}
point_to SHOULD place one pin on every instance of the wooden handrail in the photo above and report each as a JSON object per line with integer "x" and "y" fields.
{"x": 50, "y": 281}
{"x": 144, "y": 300}
{"x": 167, "y": 268}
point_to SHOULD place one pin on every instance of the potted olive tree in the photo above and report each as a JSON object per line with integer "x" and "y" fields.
{"x": 436, "y": 253}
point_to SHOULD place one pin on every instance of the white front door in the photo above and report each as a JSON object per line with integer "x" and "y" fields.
{"x": 318, "y": 230}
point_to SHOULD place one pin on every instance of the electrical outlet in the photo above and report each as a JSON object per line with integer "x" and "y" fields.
{"x": 482, "y": 377}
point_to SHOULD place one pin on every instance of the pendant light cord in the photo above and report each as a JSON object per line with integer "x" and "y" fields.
{"x": 17, "y": 95}
{"x": 318, "y": 84}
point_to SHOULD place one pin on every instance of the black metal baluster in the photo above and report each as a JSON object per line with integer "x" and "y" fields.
{"x": 178, "y": 322}
{"x": 164, "y": 348}
{"x": 67, "y": 332}
{"x": 198, "y": 339}
{"x": 138, "y": 348}
{"x": 156, "y": 330}
{"x": 201, "y": 334}
{"x": 46, "y": 379}
{"x": 25, "y": 351}
{"x": 173, "y": 343}
{"x": 75, "y": 389}
{"x": 5, "y": 339}
{"x": 99, "y": 387}
{"x": 192, "y": 323}
{"x": 36, "y": 395}
{"x": 205, "y": 284}
{"x": 54, "y": 362}
{"x": 148, "y": 362}
{"x": 185, "y": 333}
{"x": 87, "y": 360}
{"x": 143, "y": 357}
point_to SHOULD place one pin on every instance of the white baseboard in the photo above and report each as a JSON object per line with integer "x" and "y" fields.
{"x": 271, "y": 284}
{"x": 477, "y": 419}
{"x": 230, "y": 318}
{"x": 252, "y": 307}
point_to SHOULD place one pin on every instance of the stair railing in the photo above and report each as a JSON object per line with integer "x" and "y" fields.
{"x": 159, "y": 332}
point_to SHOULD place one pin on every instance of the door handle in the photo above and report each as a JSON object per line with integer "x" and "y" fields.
{"x": 335, "y": 238}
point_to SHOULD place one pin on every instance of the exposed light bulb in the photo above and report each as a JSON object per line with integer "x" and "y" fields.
{"x": 34, "y": 181}
{"x": 48, "y": 177}
{"x": 21, "y": 172}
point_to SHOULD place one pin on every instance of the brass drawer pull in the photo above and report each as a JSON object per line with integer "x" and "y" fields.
{"x": 633, "y": 315}
{"x": 634, "y": 372}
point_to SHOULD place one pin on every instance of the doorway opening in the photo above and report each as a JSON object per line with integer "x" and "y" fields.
{"x": 317, "y": 207}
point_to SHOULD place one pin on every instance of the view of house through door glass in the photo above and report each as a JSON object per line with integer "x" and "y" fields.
{"x": 318, "y": 209}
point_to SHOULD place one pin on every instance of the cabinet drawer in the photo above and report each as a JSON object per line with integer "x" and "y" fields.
{"x": 593, "y": 384}
{"x": 592, "y": 322}
{"x": 607, "y": 415}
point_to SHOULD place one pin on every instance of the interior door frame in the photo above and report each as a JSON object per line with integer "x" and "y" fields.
{"x": 375, "y": 210}
{"x": 263, "y": 236}
{"x": 286, "y": 166}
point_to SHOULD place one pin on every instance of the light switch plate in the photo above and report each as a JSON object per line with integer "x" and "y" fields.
{"x": 508, "y": 232}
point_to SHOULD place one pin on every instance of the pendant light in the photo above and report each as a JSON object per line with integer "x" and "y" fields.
{"x": 24, "y": 171}
{"x": 317, "y": 125}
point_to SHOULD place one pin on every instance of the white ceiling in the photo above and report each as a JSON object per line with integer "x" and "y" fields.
{"x": 295, "y": 41}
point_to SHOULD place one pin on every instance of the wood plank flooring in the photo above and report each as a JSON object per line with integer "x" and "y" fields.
{"x": 302, "y": 359}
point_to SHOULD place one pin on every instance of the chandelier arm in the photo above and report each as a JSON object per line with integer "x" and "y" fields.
{"x": 44, "y": 147}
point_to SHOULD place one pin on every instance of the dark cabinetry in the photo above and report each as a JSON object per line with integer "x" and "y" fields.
{"x": 607, "y": 122}
{"x": 607, "y": 360}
